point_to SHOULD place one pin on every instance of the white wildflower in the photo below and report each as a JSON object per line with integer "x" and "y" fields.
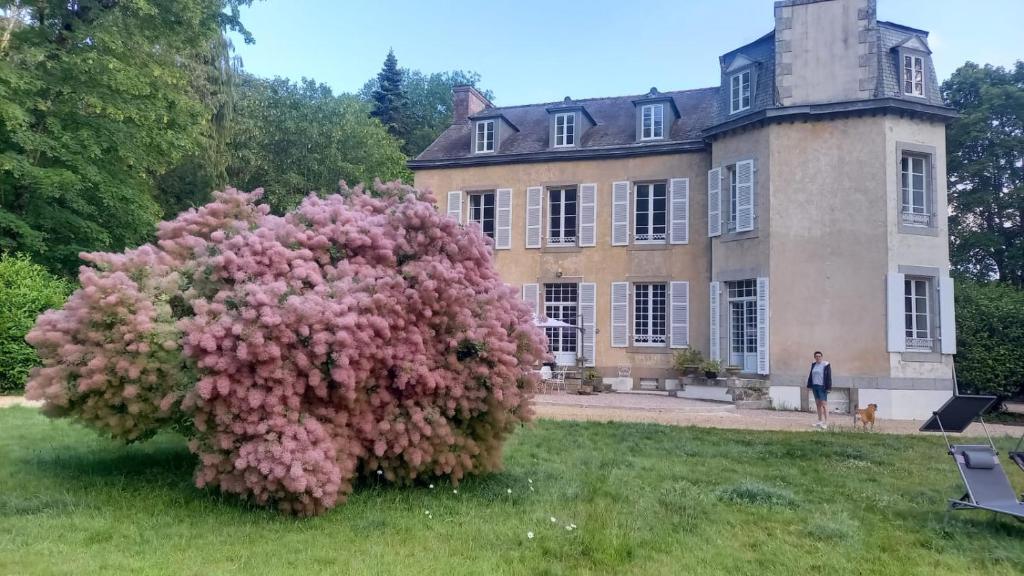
{"x": 431, "y": 486}
{"x": 554, "y": 520}
{"x": 529, "y": 535}
{"x": 509, "y": 490}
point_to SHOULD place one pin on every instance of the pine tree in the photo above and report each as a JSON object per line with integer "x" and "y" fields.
{"x": 389, "y": 98}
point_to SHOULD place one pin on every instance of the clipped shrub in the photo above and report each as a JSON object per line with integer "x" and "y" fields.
{"x": 26, "y": 289}
{"x": 357, "y": 335}
{"x": 990, "y": 336}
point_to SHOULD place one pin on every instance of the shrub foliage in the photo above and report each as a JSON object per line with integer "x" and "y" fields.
{"x": 26, "y": 289}
{"x": 357, "y": 335}
{"x": 990, "y": 336}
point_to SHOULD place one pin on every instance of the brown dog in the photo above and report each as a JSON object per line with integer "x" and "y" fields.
{"x": 865, "y": 415}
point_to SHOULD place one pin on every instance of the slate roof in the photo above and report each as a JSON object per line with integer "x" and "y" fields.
{"x": 890, "y": 35}
{"x": 615, "y": 125}
{"x": 762, "y": 52}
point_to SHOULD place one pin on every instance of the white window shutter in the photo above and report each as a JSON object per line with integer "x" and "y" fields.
{"x": 534, "y": 215}
{"x": 745, "y": 196}
{"x": 714, "y": 349}
{"x": 895, "y": 319}
{"x": 455, "y": 205}
{"x": 947, "y": 316}
{"x": 620, "y": 213}
{"x": 620, "y": 314}
{"x": 588, "y": 215}
{"x": 715, "y": 202}
{"x": 531, "y": 295}
{"x": 679, "y": 314}
{"x": 679, "y": 205}
{"x": 762, "y": 325}
{"x": 588, "y": 316}
{"x": 503, "y": 219}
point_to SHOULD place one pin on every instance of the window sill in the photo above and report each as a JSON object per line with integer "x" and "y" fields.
{"x": 734, "y": 236}
{"x": 918, "y": 230}
{"x": 664, "y": 349}
{"x": 921, "y": 356}
{"x": 642, "y": 246}
{"x": 559, "y": 249}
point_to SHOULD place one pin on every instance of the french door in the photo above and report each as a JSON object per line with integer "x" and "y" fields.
{"x": 561, "y": 302}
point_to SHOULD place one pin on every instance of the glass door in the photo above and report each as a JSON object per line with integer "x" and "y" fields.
{"x": 561, "y": 302}
{"x": 743, "y": 324}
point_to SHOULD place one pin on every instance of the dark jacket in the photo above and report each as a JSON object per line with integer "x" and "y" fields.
{"x": 828, "y": 376}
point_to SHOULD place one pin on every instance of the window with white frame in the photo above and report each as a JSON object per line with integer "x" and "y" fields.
{"x": 562, "y": 207}
{"x": 914, "y": 190}
{"x": 649, "y": 213}
{"x": 485, "y": 136}
{"x": 917, "y": 313}
{"x": 652, "y": 118}
{"x": 913, "y": 75}
{"x": 742, "y": 299}
{"x": 565, "y": 129}
{"x": 649, "y": 314}
{"x": 739, "y": 92}
{"x": 481, "y": 211}
{"x": 561, "y": 302}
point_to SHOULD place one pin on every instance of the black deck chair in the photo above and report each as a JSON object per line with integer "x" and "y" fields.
{"x": 1016, "y": 454}
{"x": 988, "y": 488}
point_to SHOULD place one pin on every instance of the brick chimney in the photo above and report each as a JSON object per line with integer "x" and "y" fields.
{"x": 467, "y": 101}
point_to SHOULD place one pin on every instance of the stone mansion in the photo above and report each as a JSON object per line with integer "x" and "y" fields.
{"x": 798, "y": 206}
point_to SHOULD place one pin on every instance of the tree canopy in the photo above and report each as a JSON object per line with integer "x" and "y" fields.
{"x": 97, "y": 100}
{"x": 389, "y": 99}
{"x": 986, "y": 171}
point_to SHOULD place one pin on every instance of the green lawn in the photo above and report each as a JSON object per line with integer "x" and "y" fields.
{"x": 645, "y": 499}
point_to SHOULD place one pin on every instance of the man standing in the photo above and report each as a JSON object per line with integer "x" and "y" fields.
{"x": 820, "y": 382}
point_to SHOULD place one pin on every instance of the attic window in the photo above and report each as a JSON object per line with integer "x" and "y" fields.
{"x": 565, "y": 129}
{"x": 652, "y": 121}
{"x": 739, "y": 92}
{"x": 913, "y": 75}
{"x": 485, "y": 136}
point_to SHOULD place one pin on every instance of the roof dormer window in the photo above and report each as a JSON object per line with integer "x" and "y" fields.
{"x": 565, "y": 130}
{"x": 652, "y": 121}
{"x": 484, "y": 136}
{"x": 739, "y": 92}
{"x": 913, "y": 75}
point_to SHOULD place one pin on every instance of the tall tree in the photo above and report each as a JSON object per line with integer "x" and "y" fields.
{"x": 96, "y": 101}
{"x": 429, "y": 103}
{"x": 986, "y": 171}
{"x": 389, "y": 98}
{"x": 292, "y": 139}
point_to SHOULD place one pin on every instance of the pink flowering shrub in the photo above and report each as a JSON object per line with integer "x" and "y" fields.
{"x": 356, "y": 335}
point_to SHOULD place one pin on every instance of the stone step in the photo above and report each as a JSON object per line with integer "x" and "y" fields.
{"x": 754, "y": 404}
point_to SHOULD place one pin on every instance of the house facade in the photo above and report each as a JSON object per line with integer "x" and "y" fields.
{"x": 798, "y": 206}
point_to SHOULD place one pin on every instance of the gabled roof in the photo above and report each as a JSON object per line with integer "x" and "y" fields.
{"x": 614, "y": 130}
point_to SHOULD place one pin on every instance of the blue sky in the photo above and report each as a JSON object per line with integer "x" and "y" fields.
{"x": 537, "y": 51}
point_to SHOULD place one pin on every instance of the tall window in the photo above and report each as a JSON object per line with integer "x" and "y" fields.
{"x": 739, "y": 92}
{"x": 652, "y": 121}
{"x": 649, "y": 317}
{"x": 913, "y": 183}
{"x": 913, "y": 75}
{"x": 916, "y": 293}
{"x": 562, "y": 220}
{"x": 561, "y": 303}
{"x": 743, "y": 324}
{"x": 733, "y": 196}
{"x": 565, "y": 129}
{"x": 485, "y": 136}
{"x": 481, "y": 211}
{"x": 649, "y": 214}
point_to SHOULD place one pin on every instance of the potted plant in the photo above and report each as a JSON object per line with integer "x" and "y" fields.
{"x": 711, "y": 369}
{"x": 688, "y": 362}
{"x": 733, "y": 371}
{"x": 590, "y": 381}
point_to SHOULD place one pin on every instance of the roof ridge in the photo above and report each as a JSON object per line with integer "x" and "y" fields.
{"x": 903, "y": 26}
{"x": 670, "y": 92}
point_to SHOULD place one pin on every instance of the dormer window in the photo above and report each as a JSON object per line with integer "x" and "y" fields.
{"x": 739, "y": 92}
{"x": 652, "y": 121}
{"x": 565, "y": 130}
{"x": 913, "y": 75}
{"x": 485, "y": 136}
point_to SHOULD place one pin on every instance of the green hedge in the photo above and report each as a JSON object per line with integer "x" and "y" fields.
{"x": 990, "y": 339}
{"x": 26, "y": 289}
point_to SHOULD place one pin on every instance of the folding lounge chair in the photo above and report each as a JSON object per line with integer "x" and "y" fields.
{"x": 988, "y": 488}
{"x": 1016, "y": 455}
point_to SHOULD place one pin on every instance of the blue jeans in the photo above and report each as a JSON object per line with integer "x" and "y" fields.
{"x": 820, "y": 393}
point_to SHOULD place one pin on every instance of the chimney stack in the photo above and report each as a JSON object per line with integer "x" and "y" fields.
{"x": 467, "y": 101}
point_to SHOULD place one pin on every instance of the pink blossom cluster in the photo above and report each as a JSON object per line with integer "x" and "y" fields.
{"x": 360, "y": 334}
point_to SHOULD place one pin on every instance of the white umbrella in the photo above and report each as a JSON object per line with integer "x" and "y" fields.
{"x": 550, "y": 323}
